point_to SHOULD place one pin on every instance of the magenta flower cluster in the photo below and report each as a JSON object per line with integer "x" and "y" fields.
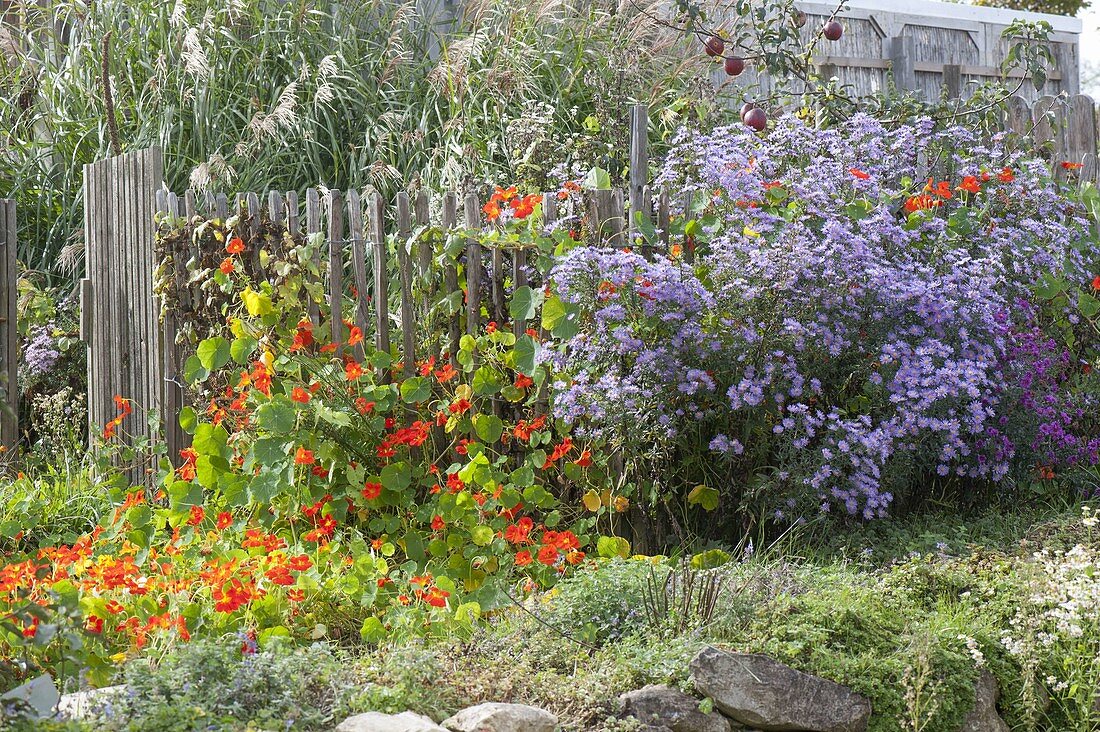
{"x": 847, "y": 328}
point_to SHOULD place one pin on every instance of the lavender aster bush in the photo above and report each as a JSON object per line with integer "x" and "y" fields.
{"x": 846, "y": 319}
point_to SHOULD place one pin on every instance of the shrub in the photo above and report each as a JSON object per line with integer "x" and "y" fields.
{"x": 835, "y": 331}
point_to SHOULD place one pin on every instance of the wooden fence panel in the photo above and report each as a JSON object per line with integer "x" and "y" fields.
{"x": 9, "y": 331}
{"x": 122, "y": 322}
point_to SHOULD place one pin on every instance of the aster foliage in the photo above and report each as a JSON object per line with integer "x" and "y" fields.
{"x": 835, "y": 311}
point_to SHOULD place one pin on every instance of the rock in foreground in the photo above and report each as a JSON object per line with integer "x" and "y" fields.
{"x": 761, "y": 692}
{"x": 663, "y": 707}
{"x": 494, "y": 717}
{"x": 378, "y": 722}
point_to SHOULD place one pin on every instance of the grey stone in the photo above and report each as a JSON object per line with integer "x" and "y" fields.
{"x": 39, "y": 697}
{"x": 761, "y": 692}
{"x": 495, "y": 717}
{"x": 983, "y": 717}
{"x": 378, "y": 722}
{"x": 662, "y": 707}
{"x": 84, "y": 704}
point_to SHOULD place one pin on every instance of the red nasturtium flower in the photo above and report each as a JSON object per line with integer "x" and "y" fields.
{"x": 235, "y": 245}
{"x": 1096, "y": 283}
{"x": 1006, "y": 175}
{"x": 859, "y": 173}
{"x": 227, "y": 266}
{"x": 300, "y": 563}
{"x": 523, "y": 558}
{"x": 300, "y": 395}
{"x": 224, "y": 521}
{"x": 1067, "y": 165}
{"x": 970, "y": 184}
{"x": 303, "y": 456}
{"x": 355, "y": 335}
{"x": 372, "y": 490}
{"x": 438, "y": 524}
{"x": 197, "y": 515}
{"x": 353, "y": 371}
{"x": 523, "y": 381}
{"x": 923, "y": 202}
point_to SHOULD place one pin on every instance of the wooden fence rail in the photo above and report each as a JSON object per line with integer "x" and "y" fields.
{"x": 369, "y": 252}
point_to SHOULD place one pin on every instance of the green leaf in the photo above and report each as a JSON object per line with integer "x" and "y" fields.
{"x": 277, "y": 415}
{"x": 612, "y": 546}
{"x": 1050, "y": 287}
{"x": 372, "y": 630}
{"x": 597, "y": 179}
{"x": 486, "y": 381}
{"x": 242, "y": 348}
{"x": 703, "y": 496}
{"x": 525, "y": 303}
{"x": 1088, "y": 305}
{"x": 188, "y": 420}
{"x": 416, "y": 389}
{"x": 211, "y": 440}
{"x": 396, "y": 476}
{"x": 481, "y": 535}
{"x": 525, "y": 351}
{"x": 488, "y": 427}
{"x": 266, "y": 485}
{"x": 194, "y": 371}
{"x": 213, "y": 353}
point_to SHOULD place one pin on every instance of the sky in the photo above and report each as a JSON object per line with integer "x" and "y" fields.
{"x": 1090, "y": 46}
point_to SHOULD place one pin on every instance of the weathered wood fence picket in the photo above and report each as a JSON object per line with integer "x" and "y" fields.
{"x": 133, "y": 347}
{"x": 9, "y": 331}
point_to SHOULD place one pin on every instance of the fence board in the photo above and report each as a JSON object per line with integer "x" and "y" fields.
{"x": 380, "y": 296}
{"x": 313, "y": 226}
{"x": 9, "y": 331}
{"x": 336, "y": 268}
{"x": 472, "y": 209}
{"x": 358, "y": 268}
{"x": 405, "y": 275}
{"x": 449, "y": 222}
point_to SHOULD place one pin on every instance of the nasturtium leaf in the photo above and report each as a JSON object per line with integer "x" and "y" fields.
{"x": 182, "y": 495}
{"x": 524, "y": 303}
{"x": 709, "y": 559}
{"x": 1088, "y": 305}
{"x": 372, "y": 630}
{"x": 209, "y": 468}
{"x": 256, "y": 303}
{"x": 591, "y": 501}
{"x": 211, "y": 440}
{"x": 194, "y": 371}
{"x": 1050, "y": 286}
{"x": 213, "y": 353}
{"x": 525, "y": 351}
{"x": 486, "y": 381}
{"x": 188, "y": 420}
{"x": 266, "y": 485}
{"x": 269, "y": 451}
{"x": 333, "y": 416}
{"x": 416, "y": 389}
{"x": 703, "y": 496}
{"x": 468, "y": 612}
{"x": 396, "y": 476}
{"x": 612, "y": 546}
{"x": 597, "y": 179}
{"x": 277, "y": 415}
{"x": 467, "y": 343}
{"x": 481, "y": 535}
{"x": 241, "y": 349}
{"x": 488, "y": 427}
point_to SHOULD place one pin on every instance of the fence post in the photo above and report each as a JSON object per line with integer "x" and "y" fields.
{"x": 336, "y": 268}
{"x": 9, "y": 333}
{"x": 405, "y": 277}
{"x": 952, "y": 80}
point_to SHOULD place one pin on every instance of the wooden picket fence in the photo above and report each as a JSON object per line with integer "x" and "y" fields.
{"x": 125, "y": 196}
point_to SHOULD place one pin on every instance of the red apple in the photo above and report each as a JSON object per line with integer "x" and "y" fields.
{"x": 714, "y": 46}
{"x": 746, "y": 108}
{"x": 757, "y": 119}
{"x": 735, "y": 65}
{"x": 832, "y": 30}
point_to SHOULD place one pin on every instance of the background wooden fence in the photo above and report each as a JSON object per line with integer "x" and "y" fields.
{"x": 119, "y": 319}
{"x": 133, "y": 351}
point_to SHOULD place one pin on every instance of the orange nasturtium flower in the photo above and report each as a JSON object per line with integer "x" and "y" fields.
{"x": 353, "y": 371}
{"x": 235, "y": 245}
{"x": 1067, "y": 165}
{"x": 303, "y": 456}
{"x": 491, "y": 210}
{"x": 859, "y": 173}
{"x": 300, "y": 395}
{"x": 227, "y": 266}
{"x": 970, "y": 185}
{"x": 1006, "y": 176}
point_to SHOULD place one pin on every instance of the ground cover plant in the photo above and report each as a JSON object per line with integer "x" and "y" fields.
{"x": 847, "y": 418}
